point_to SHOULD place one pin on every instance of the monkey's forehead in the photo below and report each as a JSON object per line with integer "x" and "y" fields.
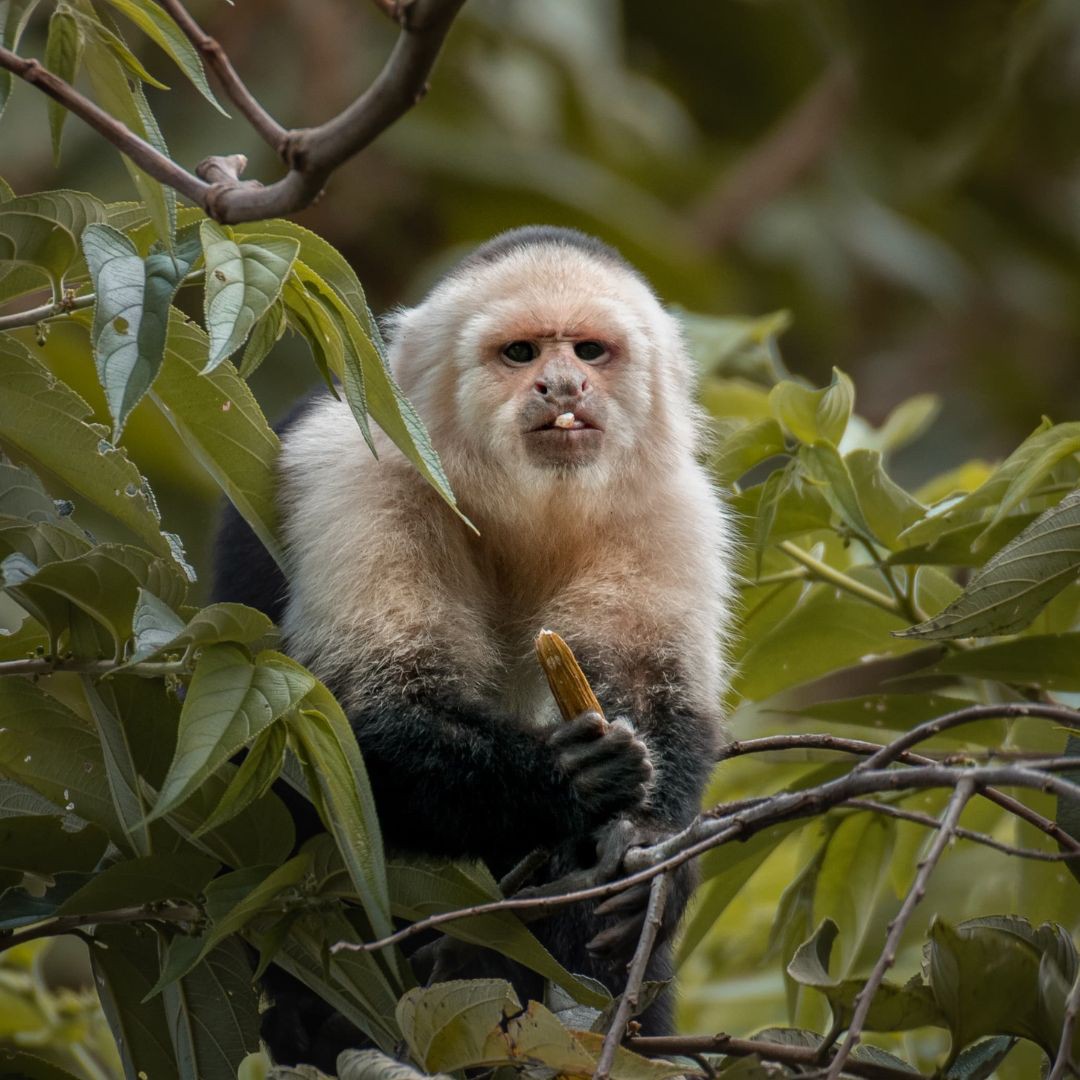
{"x": 517, "y": 241}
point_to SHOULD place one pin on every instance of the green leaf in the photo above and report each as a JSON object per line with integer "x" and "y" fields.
{"x": 814, "y": 416}
{"x": 161, "y": 28}
{"x": 213, "y": 1015}
{"x": 154, "y": 624}
{"x": 32, "y": 240}
{"x": 264, "y": 336}
{"x": 131, "y": 315}
{"x": 125, "y": 967}
{"x": 14, "y": 15}
{"x": 1044, "y": 661}
{"x": 980, "y": 1061}
{"x": 133, "y": 882}
{"x": 419, "y": 888}
{"x": 42, "y": 845}
{"x": 158, "y": 630}
{"x": 334, "y": 769}
{"x": 907, "y": 422}
{"x": 774, "y": 489}
{"x": 748, "y": 445}
{"x": 895, "y": 1007}
{"x": 26, "y": 1066}
{"x": 829, "y": 471}
{"x": 737, "y": 346}
{"x": 221, "y": 423}
{"x": 89, "y": 23}
{"x": 1006, "y": 487}
{"x": 259, "y": 769}
{"x": 956, "y": 547}
{"x": 1017, "y": 583}
{"x": 44, "y": 421}
{"x": 22, "y": 496}
{"x": 63, "y": 53}
{"x": 887, "y": 508}
{"x": 1068, "y": 810}
{"x": 242, "y": 281}
{"x": 231, "y": 699}
{"x": 126, "y": 101}
{"x": 121, "y": 768}
{"x": 49, "y": 749}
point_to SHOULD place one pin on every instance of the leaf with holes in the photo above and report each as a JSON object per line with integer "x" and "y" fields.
{"x": 242, "y": 281}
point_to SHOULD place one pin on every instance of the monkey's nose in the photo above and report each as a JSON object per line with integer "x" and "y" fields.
{"x": 570, "y": 388}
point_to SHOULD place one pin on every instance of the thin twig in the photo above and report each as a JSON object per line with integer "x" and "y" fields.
{"x": 865, "y": 997}
{"x": 654, "y": 916}
{"x": 668, "y": 1046}
{"x": 269, "y": 130}
{"x": 1004, "y": 711}
{"x": 824, "y": 572}
{"x": 1065, "y": 1059}
{"x": 48, "y": 666}
{"x": 69, "y": 924}
{"x": 707, "y": 832}
{"x": 859, "y": 746}
{"x": 931, "y": 822}
{"x": 123, "y": 138}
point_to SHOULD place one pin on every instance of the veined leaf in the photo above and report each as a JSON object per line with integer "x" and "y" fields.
{"x": 814, "y": 415}
{"x": 259, "y": 769}
{"x": 231, "y": 699}
{"x": 45, "y": 422}
{"x": 160, "y": 27}
{"x": 1046, "y": 661}
{"x": 131, "y": 315}
{"x": 32, "y": 240}
{"x": 220, "y": 421}
{"x": 887, "y": 508}
{"x": 63, "y": 52}
{"x": 825, "y": 467}
{"x": 264, "y": 336}
{"x": 127, "y": 102}
{"x": 746, "y": 446}
{"x": 242, "y": 281}
{"x": 13, "y": 18}
{"x": 89, "y": 23}
{"x": 178, "y": 876}
{"x": 1017, "y": 583}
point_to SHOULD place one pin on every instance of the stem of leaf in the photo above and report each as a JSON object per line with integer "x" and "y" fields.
{"x": 824, "y": 572}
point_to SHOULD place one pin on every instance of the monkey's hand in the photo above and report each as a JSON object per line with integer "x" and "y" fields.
{"x": 607, "y": 765}
{"x": 623, "y": 915}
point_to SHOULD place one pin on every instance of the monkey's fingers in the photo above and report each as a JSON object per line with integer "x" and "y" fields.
{"x": 634, "y": 899}
{"x": 619, "y": 941}
{"x": 584, "y": 728}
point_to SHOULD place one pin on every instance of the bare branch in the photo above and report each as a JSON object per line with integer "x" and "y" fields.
{"x": 70, "y": 924}
{"x": 707, "y": 832}
{"x": 695, "y": 1045}
{"x": 654, "y": 916}
{"x": 865, "y": 997}
{"x": 46, "y": 665}
{"x": 33, "y": 316}
{"x": 931, "y": 822}
{"x": 312, "y": 154}
{"x": 123, "y": 138}
{"x": 1065, "y": 1059}
{"x": 270, "y": 131}
{"x": 1011, "y": 710}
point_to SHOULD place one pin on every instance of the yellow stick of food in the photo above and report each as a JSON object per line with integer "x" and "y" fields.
{"x": 569, "y": 687}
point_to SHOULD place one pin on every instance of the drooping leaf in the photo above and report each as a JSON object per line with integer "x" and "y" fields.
{"x": 1047, "y": 661}
{"x": 14, "y": 15}
{"x": 45, "y": 422}
{"x": 242, "y": 281}
{"x": 161, "y": 28}
{"x": 231, "y": 699}
{"x": 265, "y": 334}
{"x": 745, "y": 447}
{"x": 146, "y": 880}
{"x": 221, "y": 423}
{"x": 1017, "y": 583}
{"x": 259, "y": 769}
{"x": 132, "y": 312}
{"x": 825, "y": 467}
{"x": 63, "y": 52}
{"x": 814, "y": 415}
{"x": 887, "y": 507}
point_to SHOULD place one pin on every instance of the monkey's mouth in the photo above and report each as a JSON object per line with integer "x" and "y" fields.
{"x": 565, "y": 423}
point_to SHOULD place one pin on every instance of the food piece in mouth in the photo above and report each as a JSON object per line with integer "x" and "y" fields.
{"x": 565, "y": 420}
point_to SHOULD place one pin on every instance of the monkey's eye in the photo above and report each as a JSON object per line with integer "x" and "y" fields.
{"x": 590, "y": 350}
{"x": 520, "y": 352}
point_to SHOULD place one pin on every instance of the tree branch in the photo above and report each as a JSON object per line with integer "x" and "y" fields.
{"x": 654, "y": 916}
{"x": 269, "y": 130}
{"x": 707, "y": 832}
{"x": 123, "y": 138}
{"x": 47, "y": 666}
{"x": 311, "y": 154}
{"x": 865, "y": 997}
{"x": 824, "y": 572}
{"x": 1065, "y": 1059}
{"x": 33, "y": 316}
{"x": 68, "y": 924}
{"x": 695, "y": 1045}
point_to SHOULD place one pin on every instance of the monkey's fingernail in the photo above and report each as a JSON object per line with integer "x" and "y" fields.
{"x": 566, "y": 420}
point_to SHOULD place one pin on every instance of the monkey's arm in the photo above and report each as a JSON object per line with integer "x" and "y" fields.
{"x": 453, "y": 780}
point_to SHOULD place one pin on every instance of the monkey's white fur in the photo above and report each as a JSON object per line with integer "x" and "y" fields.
{"x": 627, "y": 557}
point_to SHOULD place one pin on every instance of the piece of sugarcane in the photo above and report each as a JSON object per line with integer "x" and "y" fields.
{"x": 569, "y": 687}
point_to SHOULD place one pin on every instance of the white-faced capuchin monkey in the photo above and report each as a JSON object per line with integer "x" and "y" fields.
{"x": 558, "y": 393}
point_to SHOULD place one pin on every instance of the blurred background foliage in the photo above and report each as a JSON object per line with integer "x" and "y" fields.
{"x": 903, "y": 176}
